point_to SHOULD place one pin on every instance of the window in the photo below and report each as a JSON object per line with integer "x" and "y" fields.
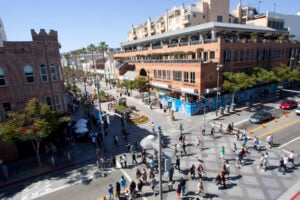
{"x": 247, "y": 55}
{"x": 168, "y": 75}
{"x": 53, "y": 72}
{"x": 219, "y": 18}
{"x": 241, "y": 55}
{"x": 186, "y": 77}
{"x": 44, "y": 74}
{"x": 212, "y": 55}
{"x": 192, "y": 77}
{"x": 164, "y": 74}
{"x": 58, "y": 103}
{"x": 159, "y": 74}
{"x": 236, "y": 55}
{"x": 28, "y": 74}
{"x": 155, "y": 73}
{"x": 49, "y": 102}
{"x": 227, "y": 55}
{"x": 177, "y": 75}
{"x": 2, "y": 77}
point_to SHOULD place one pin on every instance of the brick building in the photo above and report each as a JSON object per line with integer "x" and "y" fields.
{"x": 31, "y": 69}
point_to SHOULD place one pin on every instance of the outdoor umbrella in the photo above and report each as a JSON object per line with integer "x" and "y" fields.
{"x": 149, "y": 142}
{"x": 80, "y": 125}
{"x": 82, "y": 121}
{"x": 81, "y": 130}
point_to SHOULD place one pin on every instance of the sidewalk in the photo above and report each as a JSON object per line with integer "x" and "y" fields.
{"x": 84, "y": 156}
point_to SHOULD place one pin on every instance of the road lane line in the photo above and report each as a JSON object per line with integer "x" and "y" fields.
{"x": 283, "y": 145}
{"x": 278, "y": 128}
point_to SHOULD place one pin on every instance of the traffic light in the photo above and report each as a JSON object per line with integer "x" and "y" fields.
{"x": 279, "y": 92}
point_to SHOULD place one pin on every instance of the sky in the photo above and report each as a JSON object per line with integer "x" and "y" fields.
{"x": 80, "y": 23}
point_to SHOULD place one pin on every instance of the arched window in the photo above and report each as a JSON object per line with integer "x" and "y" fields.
{"x": 28, "y": 71}
{"x": 2, "y": 77}
{"x": 53, "y": 72}
{"x": 44, "y": 74}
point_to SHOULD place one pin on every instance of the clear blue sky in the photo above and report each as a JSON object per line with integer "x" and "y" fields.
{"x": 82, "y": 22}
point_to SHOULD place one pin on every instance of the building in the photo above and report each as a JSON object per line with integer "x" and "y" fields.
{"x": 187, "y": 63}
{"x": 2, "y": 33}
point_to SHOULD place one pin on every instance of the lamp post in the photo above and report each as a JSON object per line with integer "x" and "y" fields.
{"x": 149, "y": 99}
{"x": 98, "y": 86}
{"x": 84, "y": 82}
{"x": 217, "y": 103}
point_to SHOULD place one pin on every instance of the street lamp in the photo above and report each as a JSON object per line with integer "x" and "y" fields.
{"x": 149, "y": 93}
{"x": 84, "y": 82}
{"x": 217, "y": 103}
{"x": 98, "y": 86}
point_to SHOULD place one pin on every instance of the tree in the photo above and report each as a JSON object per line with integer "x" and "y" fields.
{"x": 91, "y": 48}
{"x": 286, "y": 73}
{"x": 103, "y": 48}
{"x": 263, "y": 76}
{"x": 36, "y": 122}
{"x": 234, "y": 82}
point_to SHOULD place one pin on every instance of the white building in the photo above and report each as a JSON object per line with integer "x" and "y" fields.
{"x": 2, "y": 33}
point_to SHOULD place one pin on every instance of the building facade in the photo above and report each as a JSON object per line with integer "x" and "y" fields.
{"x": 183, "y": 63}
{"x": 2, "y": 33}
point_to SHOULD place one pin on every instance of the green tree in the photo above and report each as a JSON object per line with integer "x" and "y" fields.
{"x": 263, "y": 76}
{"x": 36, "y": 122}
{"x": 234, "y": 82}
{"x": 286, "y": 73}
{"x": 103, "y": 48}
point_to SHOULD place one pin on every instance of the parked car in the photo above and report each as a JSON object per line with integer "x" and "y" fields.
{"x": 288, "y": 104}
{"x": 261, "y": 117}
{"x": 297, "y": 111}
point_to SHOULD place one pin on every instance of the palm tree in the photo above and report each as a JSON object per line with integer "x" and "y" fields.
{"x": 102, "y": 48}
{"x": 84, "y": 51}
{"x": 91, "y": 48}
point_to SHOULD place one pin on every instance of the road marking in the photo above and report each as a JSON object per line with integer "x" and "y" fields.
{"x": 283, "y": 145}
{"x": 278, "y": 128}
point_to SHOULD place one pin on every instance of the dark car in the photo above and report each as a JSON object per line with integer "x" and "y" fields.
{"x": 288, "y": 104}
{"x": 261, "y": 117}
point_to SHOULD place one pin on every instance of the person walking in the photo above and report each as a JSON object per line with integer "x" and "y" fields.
{"x": 292, "y": 158}
{"x": 200, "y": 187}
{"x": 256, "y": 144}
{"x": 110, "y": 192}
{"x": 181, "y": 129}
{"x": 269, "y": 140}
{"x": 171, "y": 173}
{"x": 212, "y": 131}
{"x": 192, "y": 172}
{"x": 124, "y": 158}
{"x": 203, "y": 129}
{"x": 281, "y": 166}
{"x": 285, "y": 163}
{"x": 262, "y": 162}
{"x": 200, "y": 170}
{"x": 182, "y": 184}
{"x": 153, "y": 183}
{"x": 140, "y": 187}
{"x": 184, "y": 148}
{"x": 133, "y": 158}
{"x": 222, "y": 152}
{"x": 177, "y": 164}
{"x": 245, "y": 140}
{"x": 123, "y": 184}
{"x": 223, "y": 178}
{"x": 197, "y": 142}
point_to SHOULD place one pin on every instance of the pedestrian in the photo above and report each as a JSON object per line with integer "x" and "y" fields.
{"x": 132, "y": 148}
{"x": 237, "y": 134}
{"x": 227, "y": 168}
{"x": 110, "y": 192}
{"x": 192, "y": 172}
{"x": 138, "y": 173}
{"x": 175, "y": 149}
{"x": 212, "y": 131}
{"x": 203, "y": 129}
{"x": 181, "y": 129}
{"x": 123, "y": 184}
{"x": 266, "y": 160}
{"x": 140, "y": 187}
{"x": 281, "y": 165}
{"x": 121, "y": 161}
{"x": 200, "y": 171}
{"x": 118, "y": 190}
{"x": 171, "y": 173}
{"x": 178, "y": 191}
{"x": 221, "y": 128}
{"x": 245, "y": 139}
{"x": 132, "y": 188}
{"x": 144, "y": 176}
{"x": 285, "y": 162}
{"x": 177, "y": 164}
{"x": 182, "y": 183}
{"x": 197, "y": 142}
{"x": 200, "y": 187}
{"x": 153, "y": 183}
{"x": 223, "y": 178}
{"x": 256, "y": 144}
{"x": 133, "y": 158}
{"x": 292, "y": 158}
{"x": 262, "y": 162}
{"x": 128, "y": 147}
{"x": 222, "y": 152}
{"x": 124, "y": 158}
{"x": 269, "y": 140}
{"x": 184, "y": 148}
{"x": 170, "y": 186}
{"x": 234, "y": 148}
{"x": 153, "y": 127}
{"x": 143, "y": 156}
{"x": 113, "y": 161}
